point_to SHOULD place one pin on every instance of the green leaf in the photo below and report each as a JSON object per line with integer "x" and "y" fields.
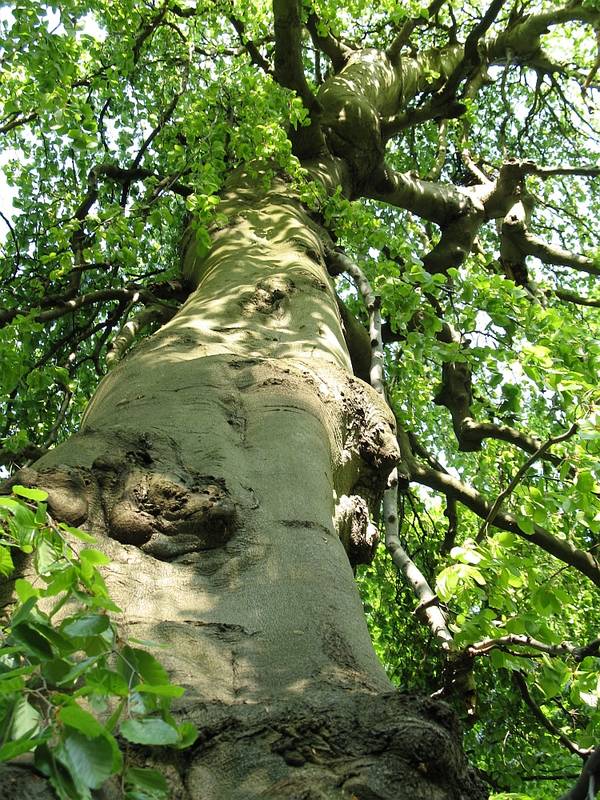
{"x": 25, "y": 590}
{"x": 148, "y": 781}
{"x": 168, "y": 690}
{"x": 89, "y": 761}
{"x": 137, "y": 665}
{"x": 33, "y": 643}
{"x": 78, "y": 534}
{"x": 11, "y": 750}
{"x": 93, "y": 556}
{"x": 85, "y": 625}
{"x": 106, "y": 682}
{"x": 76, "y": 717}
{"x": 59, "y": 776}
{"x": 188, "y": 733}
{"x": 39, "y": 495}
{"x": 149, "y": 731}
{"x": 26, "y": 719}
{"x": 6, "y": 562}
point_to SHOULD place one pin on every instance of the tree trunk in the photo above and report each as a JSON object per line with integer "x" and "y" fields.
{"x": 228, "y": 465}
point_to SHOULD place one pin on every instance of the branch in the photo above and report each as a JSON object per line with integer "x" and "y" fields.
{"x": 589, "y": 781}
{"x": 289, "y": 70}
{"x": 514, "y": 231}
{"x": 519, "y": 474}
{"x": 571, "y": 297}
{"x": 428, "y": 609}
{"x": 15, "y": 123}
{"x": 256, "y": 56}
{"x": 522, "y": 39}
{"x": 163, "y": 119}
{"x": 565, "y": 648}
{"x": 393, "y": 51}
{"x": 472, "y": 55}
{"x": 69, "y": 306}
{"x": 543, "y": 719}
{"x": 334, "y": 48}
{"x": 561, "y": 549}
{"x": 547, "y": 172}
{"x": 128, "y": 332}
{"x": 13, "y": 236}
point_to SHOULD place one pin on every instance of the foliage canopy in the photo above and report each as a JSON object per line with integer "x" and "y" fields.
{"x": 120, "y": 121}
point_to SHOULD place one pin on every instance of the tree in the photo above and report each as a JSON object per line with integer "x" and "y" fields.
{"x": 321, "y": 256}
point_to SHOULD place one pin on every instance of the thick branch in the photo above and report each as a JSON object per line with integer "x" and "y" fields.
{"x": 528, "y": 245}
{"x": 588, "y": 782}
{"x": 522, "y": 40}
{"x": 289, "y": 71}
{"x": 334, "y": 48}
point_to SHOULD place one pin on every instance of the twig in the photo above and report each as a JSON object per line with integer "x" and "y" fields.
{"x": 519, "y": 474}
{"x": 521, "y": 684}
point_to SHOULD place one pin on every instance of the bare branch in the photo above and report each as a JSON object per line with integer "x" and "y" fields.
{"x": 394, "y": 50}
{"x": 428, "y": 609}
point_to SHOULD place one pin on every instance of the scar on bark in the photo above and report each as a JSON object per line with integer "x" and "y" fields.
{"x": 165, "y": 517}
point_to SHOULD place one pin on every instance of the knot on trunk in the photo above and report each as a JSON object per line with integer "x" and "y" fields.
{"x": 355, "y": 529}
{"x": 167, "y": 519}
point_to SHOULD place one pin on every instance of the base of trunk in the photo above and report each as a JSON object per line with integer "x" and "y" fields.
{"x": 361, "y": 746}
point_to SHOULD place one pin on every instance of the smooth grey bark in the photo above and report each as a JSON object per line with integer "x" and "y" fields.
{"x": 220, "y": 463}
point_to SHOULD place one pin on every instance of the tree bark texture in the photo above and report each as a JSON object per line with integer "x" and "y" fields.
{"x": 230, "y": 465}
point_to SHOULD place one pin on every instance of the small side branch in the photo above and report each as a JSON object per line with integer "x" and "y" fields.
{"x": 445, "y": 483}
{"x": 521, "y": 684}
{"x": 255, "y": 55}
{"x": 519, "y": 475}
{"x": 403, "y": 37}
{"x": 131, "y": 329}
